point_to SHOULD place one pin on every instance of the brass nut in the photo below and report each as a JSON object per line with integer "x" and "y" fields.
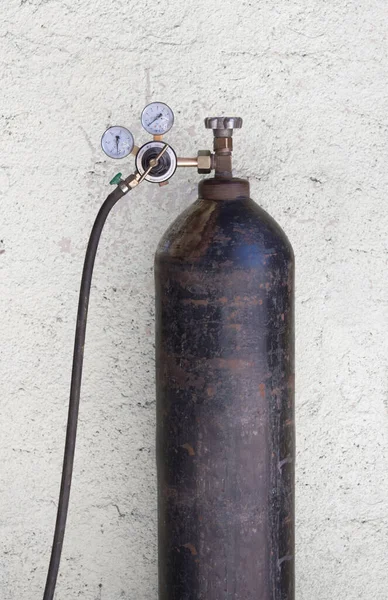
{"x": 204, "y": 161}
{"x": 133, "y": 180}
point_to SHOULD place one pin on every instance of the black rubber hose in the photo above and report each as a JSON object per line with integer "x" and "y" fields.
{"x": 75, "y": 388}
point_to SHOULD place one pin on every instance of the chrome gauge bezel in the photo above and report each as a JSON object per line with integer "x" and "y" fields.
{"x": 159, "y": 146}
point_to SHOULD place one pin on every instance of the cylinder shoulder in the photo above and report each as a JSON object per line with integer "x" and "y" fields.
{"x": 237, "y": 230}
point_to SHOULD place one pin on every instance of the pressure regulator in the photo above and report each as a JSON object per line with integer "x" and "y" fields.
{"x": 156, "y": 161}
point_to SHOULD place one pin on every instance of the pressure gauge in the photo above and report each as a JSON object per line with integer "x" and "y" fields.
{"x": 117, "y": 142}
{"x": 166, "y": 166}
{"x": 157, "y": 118}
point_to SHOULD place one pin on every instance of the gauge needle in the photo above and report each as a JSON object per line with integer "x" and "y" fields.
{"x": 156, "y": 118}
{"x": 117, "y": 143}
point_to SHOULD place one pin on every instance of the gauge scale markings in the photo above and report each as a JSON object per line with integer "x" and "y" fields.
{"x": 157, "y": 118}
{"x": 117, "y": 142}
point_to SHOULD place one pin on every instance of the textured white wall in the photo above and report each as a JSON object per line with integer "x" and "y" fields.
{"x": 310, "y": 80}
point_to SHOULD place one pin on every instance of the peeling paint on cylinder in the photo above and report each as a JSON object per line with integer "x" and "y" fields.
{"x": 225, "y": 406}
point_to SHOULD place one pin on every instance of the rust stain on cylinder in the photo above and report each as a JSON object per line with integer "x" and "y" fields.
{"x": 189, "y": 449}
{"x": 225, "y": 411}
{"x": 192, "y": 549}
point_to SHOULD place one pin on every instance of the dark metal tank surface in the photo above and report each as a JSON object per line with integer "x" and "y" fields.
{"x": 225, "y": 401}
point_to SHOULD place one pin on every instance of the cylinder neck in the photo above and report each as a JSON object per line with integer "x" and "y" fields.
{"x": 223, "y": 189}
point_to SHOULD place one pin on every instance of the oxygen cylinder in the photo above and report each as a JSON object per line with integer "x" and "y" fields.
{"x": 224, "y": 273}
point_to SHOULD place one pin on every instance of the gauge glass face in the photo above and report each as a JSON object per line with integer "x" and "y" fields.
{"x": 157, "y": 118}
{"x": 117, "y": 142}
{"x": 167, "y": 163}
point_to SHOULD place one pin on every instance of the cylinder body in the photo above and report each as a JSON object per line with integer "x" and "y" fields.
{"x": 225, "y": 401}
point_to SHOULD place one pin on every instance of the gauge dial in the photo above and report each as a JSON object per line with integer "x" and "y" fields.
{"x": 164, "y": 169}
{"x": 117, "y": 142}
{"x": 157, "y": 118}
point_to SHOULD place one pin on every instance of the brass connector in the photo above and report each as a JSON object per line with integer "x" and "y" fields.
{"x": 131, "y": 182}
{"x": 184, "y": 161}
{"x": 203, "y": 162}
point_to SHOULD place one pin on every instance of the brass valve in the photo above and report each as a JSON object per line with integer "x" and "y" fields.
{"x": 221, "y": 160}
{"x": 223, "y": 142}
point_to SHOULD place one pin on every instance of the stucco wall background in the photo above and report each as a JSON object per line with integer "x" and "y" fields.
{"x": 310, "y": 80}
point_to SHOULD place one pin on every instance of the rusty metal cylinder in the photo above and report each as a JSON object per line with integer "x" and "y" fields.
{"x": 225, "y": 401}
